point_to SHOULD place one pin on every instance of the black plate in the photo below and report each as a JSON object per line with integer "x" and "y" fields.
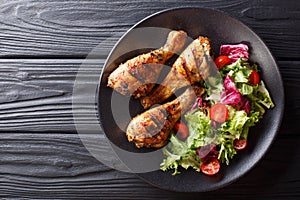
{"x": 221, "y": 29}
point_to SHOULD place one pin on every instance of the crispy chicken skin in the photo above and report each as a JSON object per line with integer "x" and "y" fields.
{"x": 190, "y": 67}
{"x": 152, "y": 128}
{"x": 137, "y": 76}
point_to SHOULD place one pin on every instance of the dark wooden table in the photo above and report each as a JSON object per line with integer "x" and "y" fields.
{"x": 42, "y": 46}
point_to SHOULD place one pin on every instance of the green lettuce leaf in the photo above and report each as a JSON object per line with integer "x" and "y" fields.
{"x": 245, "y": 89}
{"x": 264, "y": 96}
{"x": 178, "y": 154}
{"x": 170, "y": 162}
{"x": 227, "y": 150}
{"x": 198, "y": 124}
{"x": 235, "y": 124}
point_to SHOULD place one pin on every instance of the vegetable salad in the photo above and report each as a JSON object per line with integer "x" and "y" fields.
{"x": 217, "y": 126}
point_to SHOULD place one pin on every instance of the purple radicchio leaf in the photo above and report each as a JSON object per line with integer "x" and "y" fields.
{"x": 231, "y": 96}
{"x": 235, "y": 51}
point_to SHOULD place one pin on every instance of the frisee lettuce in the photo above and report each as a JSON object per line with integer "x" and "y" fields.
{"x": 199, "y": 125}
{"x": 178, "y": 154}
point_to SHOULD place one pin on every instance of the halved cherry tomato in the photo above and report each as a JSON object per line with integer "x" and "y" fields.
{"x": 218, "y": 112}
{"x": 240, "y": 144}
{"x": 181, "y": 130}
{"x": 211, "y": 166}
{"x": 254, "y": 78}
{"x": 221, "y": 61}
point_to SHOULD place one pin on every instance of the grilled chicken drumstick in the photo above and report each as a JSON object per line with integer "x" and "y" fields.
{"x": 138, "y": 75}
{"x": 152, "y": 128}
{"x": 190, "y": 67}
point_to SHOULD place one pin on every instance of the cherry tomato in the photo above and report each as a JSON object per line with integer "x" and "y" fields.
{"x": 254, "y": 78}
{"x": 181, "y": 130}
{"x": 211, "y": 166}
{"x": 218, "y": 112}
{"x": 240, "y": 144}
{"x": 221, "y": 61}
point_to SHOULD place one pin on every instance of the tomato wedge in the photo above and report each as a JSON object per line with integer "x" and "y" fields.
{"x": 254, "y": 78}
{"x": 181, "y": 130}
{"x": 218, "y": 112}
{"x": 211, "y": 166}
{"x": 221, "y": 61}
{"x": 240, "y": 144}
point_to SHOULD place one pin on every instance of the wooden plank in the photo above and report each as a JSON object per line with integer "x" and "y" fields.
{"x": 36, "y": 95}
{"x": 57, "y": 166}
{"x": 63, "y": 29}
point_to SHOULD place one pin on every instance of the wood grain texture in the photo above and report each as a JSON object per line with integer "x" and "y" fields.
{"x": 36, "y": 95}
{"x": 73, "y": 28}
{"x": 43, "y": 45}
{"x": 57, "y": 166}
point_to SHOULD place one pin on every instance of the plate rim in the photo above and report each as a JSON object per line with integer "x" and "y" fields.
{"x": 276, "y": 67}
